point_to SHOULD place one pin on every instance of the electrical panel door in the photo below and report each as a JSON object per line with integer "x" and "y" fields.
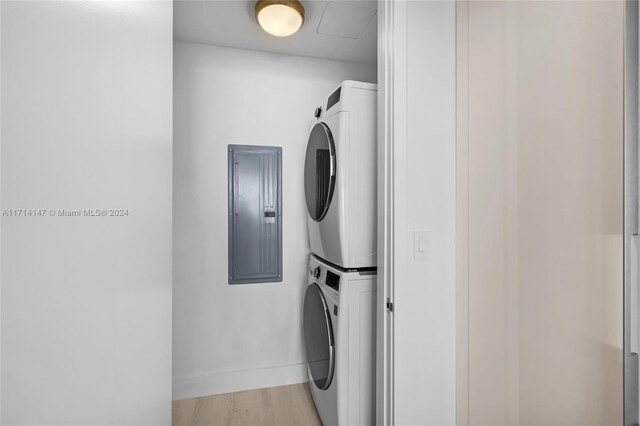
{"x": 255, "y": 214}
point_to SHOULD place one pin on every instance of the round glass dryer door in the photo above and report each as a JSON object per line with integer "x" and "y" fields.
{"x": 318, "y": 337}
{"x": 319, "y": 171}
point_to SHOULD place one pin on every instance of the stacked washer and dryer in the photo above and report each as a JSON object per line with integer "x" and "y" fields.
{"x": 340, "y": 299}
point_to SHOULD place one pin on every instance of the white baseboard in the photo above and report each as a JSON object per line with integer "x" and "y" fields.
{"x": 234, "y": 381}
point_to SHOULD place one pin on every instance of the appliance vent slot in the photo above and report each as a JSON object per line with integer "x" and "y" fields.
{"x": 333, "y": 281}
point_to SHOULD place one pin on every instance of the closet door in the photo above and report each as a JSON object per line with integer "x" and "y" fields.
{"x": 541, "y": 116}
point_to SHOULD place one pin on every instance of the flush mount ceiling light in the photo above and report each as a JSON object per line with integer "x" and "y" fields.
{"x": 280, "y": 18}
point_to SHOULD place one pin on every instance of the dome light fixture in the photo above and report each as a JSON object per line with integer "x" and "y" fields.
{"x": 280, "y": 18}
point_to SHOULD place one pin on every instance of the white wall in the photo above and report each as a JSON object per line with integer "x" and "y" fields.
{"x": 228, "y": 338}
{"x": 86, "y": 301}
{"x": 423, "y": 166}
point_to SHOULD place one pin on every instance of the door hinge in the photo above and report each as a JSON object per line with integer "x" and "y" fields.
{"x": 389, "y": 305}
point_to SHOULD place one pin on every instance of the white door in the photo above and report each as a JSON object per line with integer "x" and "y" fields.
{"x": 541, "y": 107}
{"x": 86, "y": 298}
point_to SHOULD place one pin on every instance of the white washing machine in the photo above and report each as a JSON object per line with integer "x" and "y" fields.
{"x": 340, "y": 337}
{"x": 340, "y": 177}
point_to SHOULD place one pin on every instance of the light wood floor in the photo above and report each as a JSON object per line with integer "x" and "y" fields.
{"x": 282, "y": 405}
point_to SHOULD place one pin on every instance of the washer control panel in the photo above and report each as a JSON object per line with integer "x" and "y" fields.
{"x": 325, "y": 276}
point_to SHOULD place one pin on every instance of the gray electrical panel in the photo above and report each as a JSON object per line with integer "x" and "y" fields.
{"x": 255, "y": 214}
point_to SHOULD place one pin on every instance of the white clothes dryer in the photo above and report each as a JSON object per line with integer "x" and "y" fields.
{"x": 340, "y": 177}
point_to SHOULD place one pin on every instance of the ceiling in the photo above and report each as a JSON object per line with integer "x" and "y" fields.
{"x": 232, "y": 23}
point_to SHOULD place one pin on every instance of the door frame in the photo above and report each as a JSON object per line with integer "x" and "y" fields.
{"x": 386, "y": 139}
{"x": 416, "y": 213}
{"x": 631, "y": 261}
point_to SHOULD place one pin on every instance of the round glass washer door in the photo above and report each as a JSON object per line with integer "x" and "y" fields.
{"x": 318, "y": 337}
{"x": 319, "y": 171}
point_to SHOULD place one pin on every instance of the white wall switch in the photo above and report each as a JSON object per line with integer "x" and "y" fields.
{"x": 421, "y": 246}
